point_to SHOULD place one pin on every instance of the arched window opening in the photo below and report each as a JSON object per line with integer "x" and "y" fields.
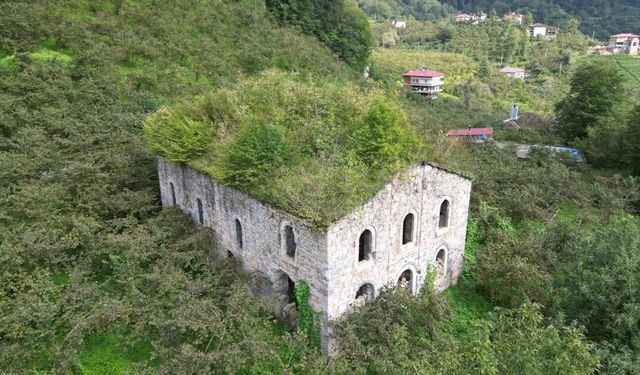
{"x": 405, "y": 279}
{"x": 238, "y": 234}
{"x": 291, "y": 291}
{"x": 364, "y": 245}
{"x": 173, "y": 194}
{"x": 441, "y": 267}
{"x": 366, "y": 292}
{"x": 290, "y": 241}
{"x": 407, "y": 229}
{"x": 286, "y": 291}
{"x": 200, "y": 213}
{"x": 443, "y": 221}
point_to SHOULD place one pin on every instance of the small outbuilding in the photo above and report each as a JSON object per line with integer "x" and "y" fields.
{"x": 513, "y": 73}
{"x": 399, "y": 24}
{"x": 471, "y": 135}
{"x": 537, "y": 30}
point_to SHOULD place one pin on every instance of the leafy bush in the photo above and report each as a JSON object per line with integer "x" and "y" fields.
{"x": 257, "y": 150}
{"x": 513, "y": 269}
{"x": 325, "y": 146}
{"x": 177, "y": 137}
{"x": 338, "y": 24}
{"x": 383, "y": 138}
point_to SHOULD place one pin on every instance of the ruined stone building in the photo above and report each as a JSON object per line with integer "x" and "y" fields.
{"x": 416, "y": 223}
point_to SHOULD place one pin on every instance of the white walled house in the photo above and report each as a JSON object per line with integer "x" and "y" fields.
{"x": 424, "y": 82}
{"x": 399, "y": 24}
{"x": 513, "y": 73}
{"x": 624, "y": 43}
{"x": 537, "y": 30}
{"x": 415, "y": 225}
{"x": 463, "y": 17}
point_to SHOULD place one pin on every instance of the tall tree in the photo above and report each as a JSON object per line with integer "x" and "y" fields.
{"x": 596, "y": 89}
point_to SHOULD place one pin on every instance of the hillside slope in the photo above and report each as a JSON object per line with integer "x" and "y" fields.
{"x": 600, "y": 17}
{"x": 86, "y": 256}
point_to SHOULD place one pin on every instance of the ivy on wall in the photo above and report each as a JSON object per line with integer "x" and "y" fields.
{"x": 307, "y": 321}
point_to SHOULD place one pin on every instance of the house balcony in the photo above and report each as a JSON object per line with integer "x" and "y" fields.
{"x": 426, "y": 89}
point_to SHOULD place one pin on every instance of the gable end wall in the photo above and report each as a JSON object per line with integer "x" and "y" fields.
{"x": 419, "y": 191}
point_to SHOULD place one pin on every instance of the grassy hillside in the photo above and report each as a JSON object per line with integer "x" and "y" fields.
{"x": 629, "y": 66}
{"x": 389, "y": 64}
{"x": 97, "y": 279}
{"x": 90, "y": 270}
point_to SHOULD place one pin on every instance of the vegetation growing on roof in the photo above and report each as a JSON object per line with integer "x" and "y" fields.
{"x": 311, "y": 147}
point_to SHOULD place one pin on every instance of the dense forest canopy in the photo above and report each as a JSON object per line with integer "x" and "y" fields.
{"x": 423, "y": 10}
{"x": 339, "y": 24}
{"x": 600, "y": 18}
{"x": 315, "y": 149}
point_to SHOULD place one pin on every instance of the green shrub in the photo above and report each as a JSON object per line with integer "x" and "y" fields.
{"x": 46, "y": 55}
{"x": 384, "y": 137}
{"x": 257, "y": 150}
{"x": 177, "y": 137}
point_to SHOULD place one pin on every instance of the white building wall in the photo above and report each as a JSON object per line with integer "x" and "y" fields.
{"x": 329, "y": 262}
{"x": 420, "y": 191}
{"x": 262, "y": 246}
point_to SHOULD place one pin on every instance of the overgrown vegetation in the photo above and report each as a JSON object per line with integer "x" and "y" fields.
{"x": 96, "y": 279}
{"x": 339, "y": 24}
{"x": 312, "y": 147}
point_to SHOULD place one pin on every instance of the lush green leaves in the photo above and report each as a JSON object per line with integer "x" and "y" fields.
{"x": 314, "y": 148}
{"x": 177, "y": 137}
{"x": 383, "y": 138}
{"x": 257, "y": 150}
{"x": 596, "y": 91}
{"x": 338, "y": 24}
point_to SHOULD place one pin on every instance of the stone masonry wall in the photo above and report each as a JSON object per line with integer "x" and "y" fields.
{"x": 263, "y": 246}
{"x": 419, "y": 191}
{"x": 329, "y": 262}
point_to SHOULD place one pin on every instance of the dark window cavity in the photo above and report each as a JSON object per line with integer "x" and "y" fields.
{"x": 364, "y": 245}
{"x": 405, "y": 279}
{"x": 407, "y": 229}
{"x": 440, "y": 265}
{"x": 200, "y": 213}
{"x": 366, "y": 291}
{"x": 291, "y": 291}
{"x": 443, "y": 220}
{"x": 290, "y": 241}
{"x": 173, "y": 194}
{"x": 238, "y": 234}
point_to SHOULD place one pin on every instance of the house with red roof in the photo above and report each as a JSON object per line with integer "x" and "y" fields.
{"x": 624, "y": 43}
{"x": 463, "y": 17}
{"x": 513, "y": 73}
{"x": 470, "y": 135}
{"x": 424, "y": 82}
